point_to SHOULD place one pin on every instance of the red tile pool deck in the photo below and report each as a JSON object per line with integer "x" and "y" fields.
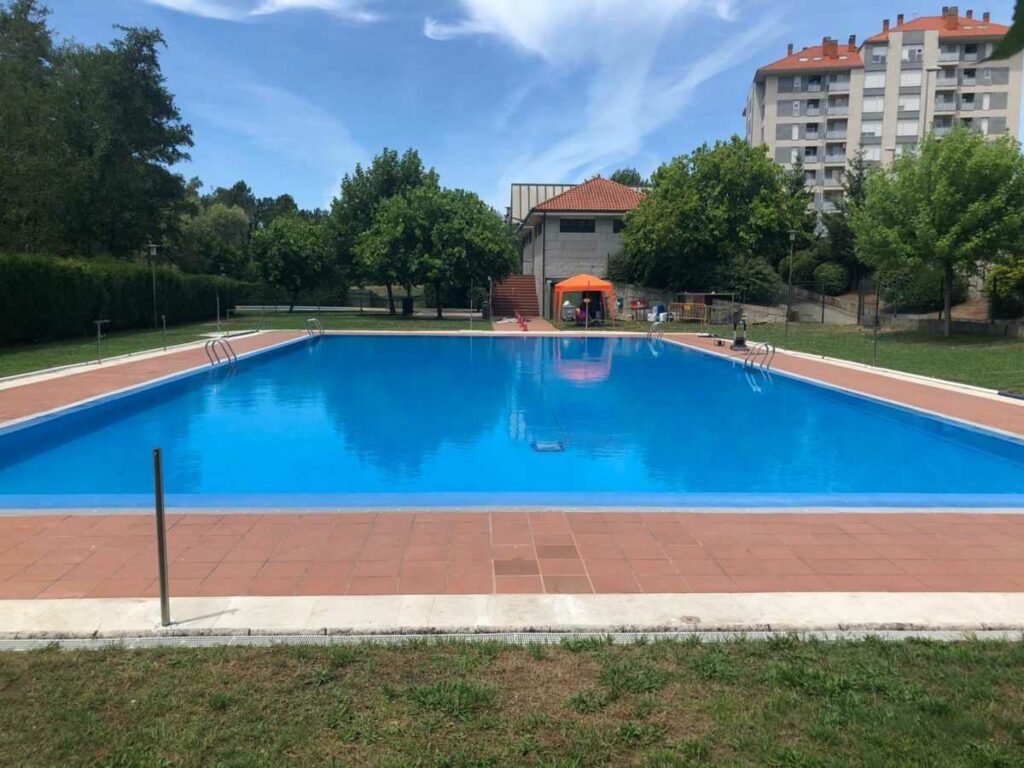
{"x": 386, "y": 553}
{"x": 481, "y": 552}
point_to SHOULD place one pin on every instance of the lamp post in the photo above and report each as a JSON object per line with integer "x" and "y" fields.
{"x": 789, "y": 294}
{"x": 152, "y": 266}
{"x": 218, "y": 300}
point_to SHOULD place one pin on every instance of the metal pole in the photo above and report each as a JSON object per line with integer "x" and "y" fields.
{"x": 161, "y": 539}
{"x": 163, "y": 330}
{"x": 874, "y": 350}
{"x": 99, "y": 337}
{"x": 822, "y": 288}
{"x": 153, "y": 265}
{"x": 218, "y": 309}
{"x": 789, "y": 294}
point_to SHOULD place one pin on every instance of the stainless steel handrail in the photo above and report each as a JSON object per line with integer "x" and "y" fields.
{"x": 760, "y": 355}
{"x": 314, "y": 327}
{"x": 213, "y": 349}
{"x": 653, "y": 332}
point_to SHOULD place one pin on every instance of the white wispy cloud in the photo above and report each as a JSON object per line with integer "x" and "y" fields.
{"x": 616, "y": 47}
{"x": 285, "y": 126}
{"x": 241, "y": 10}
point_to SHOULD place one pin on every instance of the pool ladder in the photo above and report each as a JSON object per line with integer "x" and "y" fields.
{"x": 314, "y": 327}
{"x": 655, "y": 331}
{"x": 214, "y": 348}
{"x": 760, "y": 356}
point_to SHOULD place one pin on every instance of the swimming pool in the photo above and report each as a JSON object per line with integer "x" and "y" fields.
{"x": 493, "y": 421}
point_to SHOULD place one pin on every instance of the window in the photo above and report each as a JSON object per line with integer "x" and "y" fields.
{"x": 576, "y": 225}
{"x": 874, "y": 79}
{"x": 910, "y": 79}
{"x": 913, "y": 52}
{"x": 873, "y": 152}
{"x": 795, "y": 132}
{"x": 871, "y": 128}
{"x": 794, "y": 155}
{"x": 796, "y": 107}
{"x": 906, "y": 127}
{"x": 910, "y": 103}
{"x": 971, "y": 50}
{"x": 903, "y": 148}
{"x": 873, "y": 104}
{"x": 879, "y": 54}
{"x": 984, "y": 125}
{"x": 618, "y": 225}
{"x": 810, "y": 153}
{"x": 796, "y": 83}
{"x": 986, "y": 101}
{"x": 540, "y": 228}
{"x": 812, "y": 130}
{"x": 986, "y": 75}
{"x": 528, "y": 239}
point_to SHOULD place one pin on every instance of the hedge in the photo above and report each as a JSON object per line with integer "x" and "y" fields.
{"x": 44, "y": 297}
{"x": 1005, "y": 289}
{"x": 833, "y": 278}
{"x": 919, "y": 290}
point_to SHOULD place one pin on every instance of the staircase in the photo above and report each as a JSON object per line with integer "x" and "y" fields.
{"x": 516, "y": 294}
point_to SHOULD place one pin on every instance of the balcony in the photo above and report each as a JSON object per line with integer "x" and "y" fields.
{"x": 945, "y": 106}
{"x": 814, "y": 87}
{"x": 836, "y": 133}
{"x": 949, "y": 81}
{"x": 969, "y": 81}
{"x": 942, "y": 130}
{"x": 839, "y": 86}
{"x": 949, "y": 55}
{"x": 967, "y": 106}
{"x": 972, "y": 56}
{"x": 813, "y": 112}
{"x": 839, "y": 109}
{"x": 833, "y": 182}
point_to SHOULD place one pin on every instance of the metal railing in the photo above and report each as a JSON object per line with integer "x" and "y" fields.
{"x": 214, "y": 348}
{"x": 760, "y": 355}
{"x": 655, "y": 331}
{"x": 314, "y": 327}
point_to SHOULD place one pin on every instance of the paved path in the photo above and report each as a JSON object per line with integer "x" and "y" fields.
{"x": 1000, "y": 413}
{"x": 74, "y": 386}
{"x": 389, "y": 553}
{"x": 839, "y": 614}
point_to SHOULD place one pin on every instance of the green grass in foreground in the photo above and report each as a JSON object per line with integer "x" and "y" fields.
{"x": 35, "y": 357}
{"x": 584, "y": 703}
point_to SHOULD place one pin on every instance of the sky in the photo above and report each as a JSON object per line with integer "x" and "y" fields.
{"x": 290, "y": 94}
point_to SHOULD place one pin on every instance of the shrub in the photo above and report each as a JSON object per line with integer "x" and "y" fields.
{"x": 918, "y": 289}
{"x": 753, "y": 278}
{"x": 833, "y": 278}
{"x": 803, "y": 267}
{"x": 43, "y": 297}
{"x": 1005, "y": 287}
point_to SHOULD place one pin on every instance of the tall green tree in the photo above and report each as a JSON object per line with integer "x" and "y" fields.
{"x": 214, "y": 240}
{"x": 956, "y": 203}
{"x": 710, "y": 217}
{"x": 629, "y": 176}
{"x": 354, "y": 210}
{"x": 292, "y": 254}
{"x": 840, "y": 247}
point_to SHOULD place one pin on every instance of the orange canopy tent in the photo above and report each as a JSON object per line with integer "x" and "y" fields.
{"x": 585, "y": 284}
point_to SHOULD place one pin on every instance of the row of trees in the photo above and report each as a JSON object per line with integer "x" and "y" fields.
{"x": 720, "y": 218}
{"x": 88, "y": 140}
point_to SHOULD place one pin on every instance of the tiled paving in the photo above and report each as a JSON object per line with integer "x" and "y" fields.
{"x": 1005, "y": 414}
{"x": 512, "y": 552}
{"x": 40, "y": 396}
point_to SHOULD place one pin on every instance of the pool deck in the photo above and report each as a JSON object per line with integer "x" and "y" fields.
{"x": 97, "y": 559}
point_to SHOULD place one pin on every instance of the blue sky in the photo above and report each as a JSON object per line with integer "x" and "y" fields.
{"x": 290, "y": 94}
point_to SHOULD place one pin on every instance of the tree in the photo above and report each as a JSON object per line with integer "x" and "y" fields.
{"x": 444, "y": 238}
{"x": 354, "y": 210}
{"x": 629, "y": 176}
{"x": 1013, "y": 43}
{"x": 215, "y": 240}
{"x": 707, "y": 214}
{"x": 291, "y": 254}
{"x": 956, "y": 203}
{"x": 840, "y": 247}
{"x": 88, "y": 136}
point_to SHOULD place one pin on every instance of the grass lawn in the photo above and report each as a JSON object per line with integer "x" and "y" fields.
{"x": 34, "y": 357}
{"x": 584, "y": 703}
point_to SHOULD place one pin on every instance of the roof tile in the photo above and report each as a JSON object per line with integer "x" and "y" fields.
{"x": 965, "y": 27}
{"x": 599, "y": 195}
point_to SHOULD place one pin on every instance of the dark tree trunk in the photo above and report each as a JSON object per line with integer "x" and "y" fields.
{"x": 947, "y": 301}
{"x": 437, "y": 298}
{"x": 391, "y": 299}
{"x": 295, "y": 298}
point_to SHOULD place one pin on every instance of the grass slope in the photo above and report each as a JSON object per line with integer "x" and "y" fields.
{"x": 584, "y": 703}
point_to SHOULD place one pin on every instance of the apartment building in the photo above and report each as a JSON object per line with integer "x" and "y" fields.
{"x": 824, "y": 103}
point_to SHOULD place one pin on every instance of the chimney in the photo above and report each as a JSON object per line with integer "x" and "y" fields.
{"x": 951, "y": 17}
{"x": 986, "y": 16}
{"x": 899, "y": 19}
{"x": 945, "y": 9}
{"x": 970, "y": 13}
{"x": 789, "y": 49}
{"x": 885, "y": 25}
{"x": 852, "y": 44}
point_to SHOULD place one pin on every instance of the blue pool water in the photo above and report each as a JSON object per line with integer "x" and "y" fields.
{"x": 421, "y": 421}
